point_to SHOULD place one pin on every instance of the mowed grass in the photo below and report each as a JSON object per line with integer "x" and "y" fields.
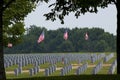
{"x": 11, "y": 68}
{"x": 23, "y": 75}
{"x": 27, "y": 67}
{"x": 104, "y": 70}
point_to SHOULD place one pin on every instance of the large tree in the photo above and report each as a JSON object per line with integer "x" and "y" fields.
{"x": 13, "y": 17}
{"x": 12, "y": 25}
{"x": 12, "y": 14}
{"x": 61, "y": 9}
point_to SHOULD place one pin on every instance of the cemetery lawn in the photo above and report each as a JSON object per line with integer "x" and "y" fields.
{"x": 104, "y": 69}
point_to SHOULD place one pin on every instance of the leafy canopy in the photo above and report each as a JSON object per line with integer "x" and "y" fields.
{"x": 15, "y": 13}
{"x": 64, "y": 7}
{"x": 13, "y": 19}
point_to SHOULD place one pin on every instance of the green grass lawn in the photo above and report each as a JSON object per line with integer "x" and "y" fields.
{"x": 110, "y": 61}
{"x": 56, "y": 73}
{"x": 43, "y": 66}
{"x": 104, "y": 70}
{"x": 11, "y": 68}
{"x": 88, "y": 71}
{"x": 23, "y": 75}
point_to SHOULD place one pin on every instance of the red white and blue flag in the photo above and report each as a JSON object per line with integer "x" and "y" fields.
{"x": 41, "y": 37}
{"x": 86, "y": 36}
{"x": 65, "y": 36}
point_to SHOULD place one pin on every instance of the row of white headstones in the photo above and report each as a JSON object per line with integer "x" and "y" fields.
{"x": 23, "y": 61}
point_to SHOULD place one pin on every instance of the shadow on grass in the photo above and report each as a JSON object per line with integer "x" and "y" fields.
{"x": 74, "y": 77}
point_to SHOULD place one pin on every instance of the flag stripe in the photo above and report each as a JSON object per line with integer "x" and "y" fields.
{"x": 65, "y": 35}
{"x": 41, "y": 37}
{"x": 86, "y": 36}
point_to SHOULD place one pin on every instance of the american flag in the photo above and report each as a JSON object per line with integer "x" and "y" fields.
{"x": 41, "y": 37}
{"x": 65, "y": 36}
{"x": 86, "y": 36}
{"x": 9, "y": 45}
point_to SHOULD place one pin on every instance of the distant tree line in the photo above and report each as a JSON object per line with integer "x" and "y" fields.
{"x": 99, "y": 41}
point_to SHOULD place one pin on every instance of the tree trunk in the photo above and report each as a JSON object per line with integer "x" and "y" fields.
{"x": 118, "y": 36}
{"x": 2, "y": 69}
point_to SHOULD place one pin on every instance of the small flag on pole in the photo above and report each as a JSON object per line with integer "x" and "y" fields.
{"x": 9, "y": 45}
{"x": 65, "y": 36}
{"x": 86, "y": 36}
{"x": 41, "y": 37}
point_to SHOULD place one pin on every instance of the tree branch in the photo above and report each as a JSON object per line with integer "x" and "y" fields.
{"x": 5, "y": 6}
{"x": 115, "y": 1}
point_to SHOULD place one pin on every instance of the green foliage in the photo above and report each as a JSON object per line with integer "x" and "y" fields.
{"x": 17, "y": 11}
{"x": 99, "y": 41}
{"x": 13, "y": 17}
{"x": 66, "y": 46}
{"x": 14, "y": 34}
{"x": 62, "y": 8}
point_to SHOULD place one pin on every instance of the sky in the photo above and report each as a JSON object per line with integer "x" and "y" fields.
{"x": 105, "y": 19}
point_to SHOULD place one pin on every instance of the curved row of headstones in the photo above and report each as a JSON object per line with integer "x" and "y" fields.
{"x": 81, "y": 69}
{"x": 95, "y": 57}
{"x": 17, "y": 71}
{"x": 66, "y": 69}
{"x": 108, "y": 57}
{"x": 37, "y": 59}
{"x": 50, "y": 70}
{"x": 100, "y": 56}
{"x": 23, "y": 61}
{"x": 112, "y": 67}
{"x": 34, "y": 70}
{"x": 68, "y": 58}
{"x": 97, "y": 68}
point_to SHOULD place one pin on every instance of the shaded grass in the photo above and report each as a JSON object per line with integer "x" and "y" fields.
{"x": 11, "y": 68}
{"x": 56, "y": 73}
{"x": 104, "y": 70}
{"x": 88, "y": 71}
{"x": 110, "y": 61}
{"x": 72, "y": 72}
{"x": 23, "y": 75}
{"x": 73, "y": 77}
{"x": 43, "y": 66}
{"x": 60, "y": 64}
